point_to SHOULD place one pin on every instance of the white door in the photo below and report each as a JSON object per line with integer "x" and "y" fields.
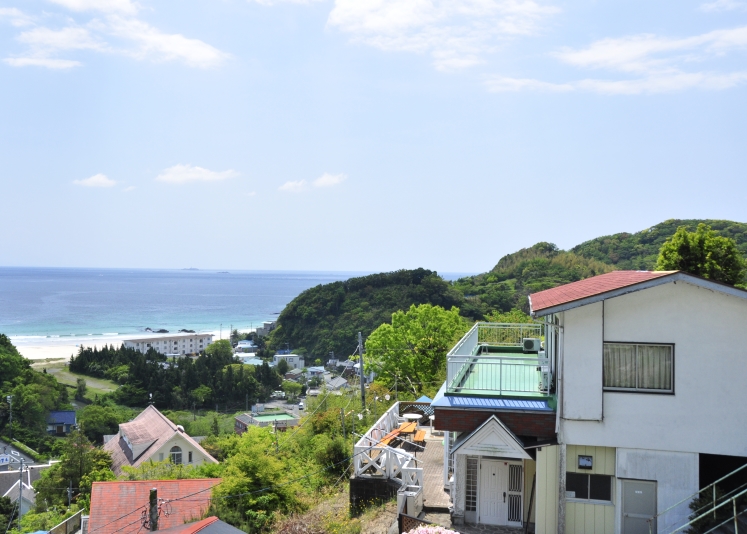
{"x": 492, "y": 497}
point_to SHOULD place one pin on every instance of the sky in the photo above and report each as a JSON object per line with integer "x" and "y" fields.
{"x": 361, "y": 135}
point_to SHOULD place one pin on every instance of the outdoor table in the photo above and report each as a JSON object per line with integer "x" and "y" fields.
{"x": 413, "y": 416}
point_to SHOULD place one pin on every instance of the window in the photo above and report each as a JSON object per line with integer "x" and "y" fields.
{"x": 470, "y": 501}
{"x": 176, "y": 455}
{"x": 189, "y": 457}
{"x": 585, "y": 487}
{"x": 639, "y": 367}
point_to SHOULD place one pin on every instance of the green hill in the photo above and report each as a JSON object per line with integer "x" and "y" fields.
{"x": 327, "y": 318}
{"x": 639, "y": 251}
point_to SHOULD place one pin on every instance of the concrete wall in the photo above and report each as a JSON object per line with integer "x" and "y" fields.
{"x": 676, "y": 476}
{"x": 547, "y": 491}
{"x": 710, "y": 363}
{"x": 586, "y": 518}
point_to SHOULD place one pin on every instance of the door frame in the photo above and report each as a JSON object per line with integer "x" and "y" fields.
{"x": 503, "y": 465}
{"x": 655, "y": 483}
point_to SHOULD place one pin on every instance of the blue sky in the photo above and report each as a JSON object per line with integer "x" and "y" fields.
{"x": 361, "y": 135}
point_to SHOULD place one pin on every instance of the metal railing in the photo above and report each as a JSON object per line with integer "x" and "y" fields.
{"x": 497, "y": 335}
{"x": 498, "y": 374}
{"x": 714, "y": 503}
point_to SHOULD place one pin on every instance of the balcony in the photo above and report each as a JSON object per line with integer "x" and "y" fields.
{"x": 490, "y": 361}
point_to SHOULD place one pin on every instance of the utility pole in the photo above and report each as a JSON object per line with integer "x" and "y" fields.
{"x": 153, "y": 509}
{"x": 247, "y": 402}
{"x": 342, "y": 418}
{"x": 20, "y": 494}
{"x": 69, "y": 493}
{"x": 360, "y": 361}
{"x": 9, "y": 398}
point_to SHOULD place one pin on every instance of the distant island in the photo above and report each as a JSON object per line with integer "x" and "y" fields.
{"x": 190, "y": 269}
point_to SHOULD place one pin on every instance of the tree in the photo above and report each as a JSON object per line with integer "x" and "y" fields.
{"x": 292, "y": 389}
{"x": 221, "y": 349}
{"x": 282, "y": 367}
{"x": 413, "y": 348}
{"x": 202, "y": 393}
{"x": 702, "y": 253}
{"x": 80, "y": 390}
{"x": 81, "y": 464}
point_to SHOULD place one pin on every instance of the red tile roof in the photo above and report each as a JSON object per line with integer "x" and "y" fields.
{"x": 147, "y": 433}
{"x": 118, "y": 506}
{"x": 191, "y": 528}
{"x": 590, "y": 287}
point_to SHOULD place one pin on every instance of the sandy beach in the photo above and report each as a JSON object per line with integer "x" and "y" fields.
{"x": 42, "y": 347}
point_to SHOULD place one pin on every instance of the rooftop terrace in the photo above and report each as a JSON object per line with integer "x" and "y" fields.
{"x": 491, "y": 360}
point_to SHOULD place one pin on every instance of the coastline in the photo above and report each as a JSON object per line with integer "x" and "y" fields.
{"x": 55, "y": 347}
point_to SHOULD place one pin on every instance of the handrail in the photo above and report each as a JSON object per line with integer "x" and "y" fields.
{"x": 689, "y": 497}
{"x": 701, "y": 516}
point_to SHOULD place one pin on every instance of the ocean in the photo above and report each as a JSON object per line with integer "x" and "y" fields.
{"x": 65, "y": 302}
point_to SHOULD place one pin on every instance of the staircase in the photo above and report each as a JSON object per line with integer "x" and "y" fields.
{"x": 717, "y": 512}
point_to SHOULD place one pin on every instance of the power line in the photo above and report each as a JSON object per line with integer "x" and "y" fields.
{"x": 115, "y": 520}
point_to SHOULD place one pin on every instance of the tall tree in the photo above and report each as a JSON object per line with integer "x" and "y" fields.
{"x": 702, "y": 253}
{"x": 413, "y": 348}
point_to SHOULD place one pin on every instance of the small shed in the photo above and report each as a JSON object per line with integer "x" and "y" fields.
{"x": 60, "y": 423}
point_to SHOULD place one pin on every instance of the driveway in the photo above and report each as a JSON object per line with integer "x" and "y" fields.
{"x": 16, "y": 455}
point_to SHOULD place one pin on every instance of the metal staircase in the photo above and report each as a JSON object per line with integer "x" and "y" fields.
{"x": 716, "y": 513}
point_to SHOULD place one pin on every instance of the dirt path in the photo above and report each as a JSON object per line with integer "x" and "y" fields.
{"x": 58, "y": 368}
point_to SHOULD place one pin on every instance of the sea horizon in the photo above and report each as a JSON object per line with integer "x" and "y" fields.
{"x": 42, "y": 304}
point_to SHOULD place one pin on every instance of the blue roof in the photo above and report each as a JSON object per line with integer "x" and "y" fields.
{"x": 488, "y": 403}
{"x": 424, "y": 399}
{"x": 61, "y": 417}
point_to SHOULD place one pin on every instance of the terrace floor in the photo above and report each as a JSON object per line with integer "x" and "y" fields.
{"x": 518, "y": 377}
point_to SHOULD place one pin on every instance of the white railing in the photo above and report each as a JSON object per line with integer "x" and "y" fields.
{"x": 372, "y": 458}
{"x": 497, "y": 335}
{"x": 498, "y": 374}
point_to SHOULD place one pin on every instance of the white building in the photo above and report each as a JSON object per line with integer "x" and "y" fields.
{"x": 637, "y": 385}
{"x": 178, "y": 344}
{"x": 246, "y": 345}
{"x": 294, "y": 360}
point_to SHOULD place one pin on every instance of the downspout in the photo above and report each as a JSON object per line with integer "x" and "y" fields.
{"x": 559, "y": 432}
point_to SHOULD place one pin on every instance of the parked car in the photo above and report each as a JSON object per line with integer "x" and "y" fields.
{"x": 300, "y": 405}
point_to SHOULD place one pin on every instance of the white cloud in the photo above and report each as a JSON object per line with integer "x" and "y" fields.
{"x": 15, "y": 16}
{"x": 329, "y": 180}
{"x": 273, "y": 2}
{"x": 50, "y": 63}
{"x": 152, "y": 43}
{"x": 97, "y": 180}
{"x": 456, "y": 33}
{"x": 181, "y": 174}
{"x": 722, "y": 5}
{"x": 293, "y": 187}
{"x": 128, "y": 189}
{"x": 106, "y": 6}
{"x": 117, "y": 32}
{"x": 656, "y": 64}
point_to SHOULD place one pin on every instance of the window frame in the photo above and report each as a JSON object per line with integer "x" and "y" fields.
{"x": 612, "y": 389}
{"x": 588, "y": 486}
{"x": 173, "y": 455}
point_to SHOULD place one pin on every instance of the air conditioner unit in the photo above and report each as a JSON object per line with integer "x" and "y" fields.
{"x": 545, "y": 378}
{"x": 532, "y": 344}
{"x": 414, "y": 496}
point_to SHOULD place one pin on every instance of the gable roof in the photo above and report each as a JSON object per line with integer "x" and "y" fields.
{"x": 29, "y": 495}
{"x": 66, "y": 417}
{"x": 614, "y": 284}
{"x": 210, "y": 525}
{"x": 146, "y": 433}
{"x": 118, "y": 506}
{"x": 492, "y": 438}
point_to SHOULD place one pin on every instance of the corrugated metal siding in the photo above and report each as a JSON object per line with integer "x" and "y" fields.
{"x": 584, "y": 518}
{"x": 547, "y": 491}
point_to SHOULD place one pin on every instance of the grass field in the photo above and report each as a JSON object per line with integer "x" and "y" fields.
{"x": 59, "y": 369}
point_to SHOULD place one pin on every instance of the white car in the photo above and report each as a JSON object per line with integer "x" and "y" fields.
{"x": 300, "y": 405}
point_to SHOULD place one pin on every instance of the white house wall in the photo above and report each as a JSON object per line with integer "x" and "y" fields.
{"x": 710, "y": 362}
{"x": 676, "y": 476}
{"x": 582, "y": 368}
{"x": 197, "y": 456}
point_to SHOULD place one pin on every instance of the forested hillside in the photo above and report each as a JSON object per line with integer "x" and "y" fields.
{"x": 327, "y": 318}
{"x": 639, "y": 250}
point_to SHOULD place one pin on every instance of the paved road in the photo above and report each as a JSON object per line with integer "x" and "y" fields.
{"x": 11, "y": 451}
